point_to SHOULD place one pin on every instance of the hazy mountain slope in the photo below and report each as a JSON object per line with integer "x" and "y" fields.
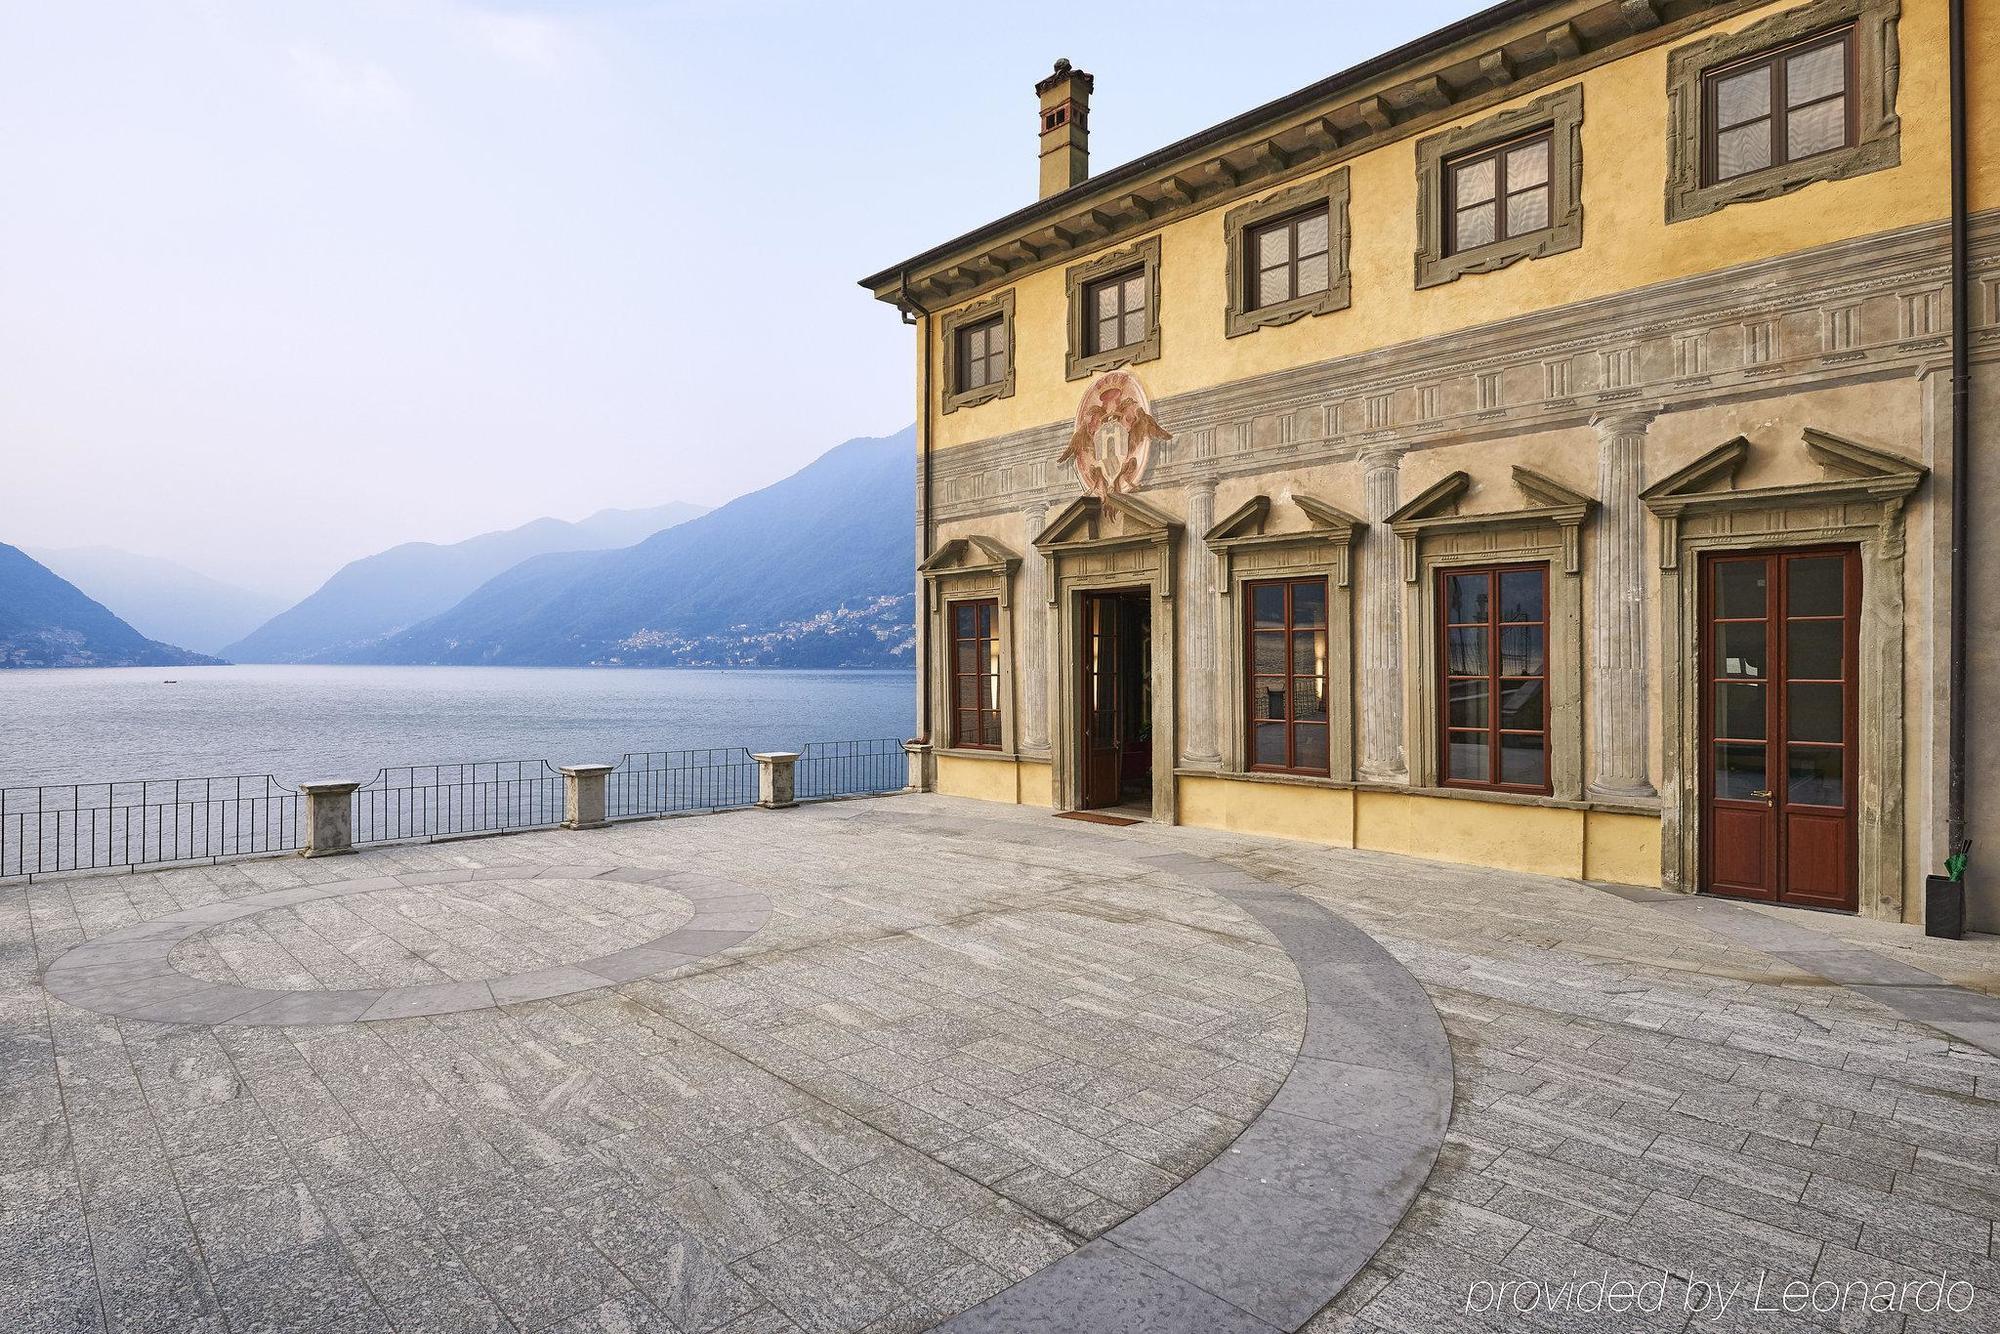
{"x": 381, "y": 594}
{"x": 813, "y": 571}
{"x": 46, "y": 621}
{"x": 162, "y": 599}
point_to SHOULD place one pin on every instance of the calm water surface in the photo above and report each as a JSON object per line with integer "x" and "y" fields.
{"x": 304, "y": 723}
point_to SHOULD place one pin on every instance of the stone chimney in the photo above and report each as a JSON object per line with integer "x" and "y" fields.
{"x": 1065, "y": 99}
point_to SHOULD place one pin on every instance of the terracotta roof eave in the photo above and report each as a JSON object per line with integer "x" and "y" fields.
{"x": 1142, "y": 167}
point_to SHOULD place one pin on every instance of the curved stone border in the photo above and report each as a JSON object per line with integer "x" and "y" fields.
{"x": 1270, "y": 1232}
{"x": 126, "y": 973}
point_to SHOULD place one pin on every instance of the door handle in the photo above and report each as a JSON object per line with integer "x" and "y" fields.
{"x": 1764, "y": 793}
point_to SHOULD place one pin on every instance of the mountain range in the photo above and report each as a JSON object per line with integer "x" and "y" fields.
{"x": 161, "y": 599}
{"x": 369, "y": 600}
{"x": 46, "y": 621}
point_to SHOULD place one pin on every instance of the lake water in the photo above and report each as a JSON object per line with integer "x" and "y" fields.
{"x": 310, "y": 723}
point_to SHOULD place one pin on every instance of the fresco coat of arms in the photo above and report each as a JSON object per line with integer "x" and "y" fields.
{"x": 1114, "y": 436}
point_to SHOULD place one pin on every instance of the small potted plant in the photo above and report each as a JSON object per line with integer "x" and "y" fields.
{"x": 1944, "y": 897}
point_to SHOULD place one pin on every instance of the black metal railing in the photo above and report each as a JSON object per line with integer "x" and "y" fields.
{"x": 664, "y": 782}
{"x": 87, "y": 826}
{"x": 851, "y": 768}
{"x": 425, "y": 801}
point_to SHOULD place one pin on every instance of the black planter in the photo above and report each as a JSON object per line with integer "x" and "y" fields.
{"x": 1944, "y": 907}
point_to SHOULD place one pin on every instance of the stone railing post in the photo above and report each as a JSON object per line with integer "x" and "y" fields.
{"x": 583, "y": 795}
{"x": 919, "y": 767}
{"x": 329, "y": 819}
{"x": 777, "y": 779}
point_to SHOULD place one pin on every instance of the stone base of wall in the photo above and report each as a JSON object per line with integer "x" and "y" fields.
{"x": 1005, "y": 778}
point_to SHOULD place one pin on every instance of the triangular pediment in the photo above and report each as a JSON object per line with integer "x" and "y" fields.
{"x": 1436, "y": 500}
{"x": 971, "y": 552}
{"x": 1547, "y": 492}
{"x": 1844, "y": 456}
{"x": 1246, "y": 520}
{"x": 1092, "y": 518}
{"x": 1324, "y": 515}
{"x": 1715, "y": 470}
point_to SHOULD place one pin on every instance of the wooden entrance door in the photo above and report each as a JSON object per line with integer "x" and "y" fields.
{"x": 1115, "y": 696}
{"x": 1780, "y": 630}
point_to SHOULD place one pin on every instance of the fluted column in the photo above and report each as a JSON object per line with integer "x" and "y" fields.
{"x": 1619, "y": 722}
{"x": 1031, "y": 612}
{"x": 1381, "y": 622}
{"x": 1200, "y": 742}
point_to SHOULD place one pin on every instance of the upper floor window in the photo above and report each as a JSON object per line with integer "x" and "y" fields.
{"x": 1493, "y": 625}
{"x": 1499, "y": 193}
{"x": 1805, "y": 95}
{"x": 1116, "y": 308}
{"x": 978, "y": 351}
{"x": 982, "y": 354}
{"x": 975, "y": 674}
{"x": 1782, "y": 107}
{"x": 1289, "y": 258}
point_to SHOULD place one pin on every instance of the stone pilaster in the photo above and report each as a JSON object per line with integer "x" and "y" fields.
{"x": 1031, "y": 614}
{"x": 1380, "y": 689}
{"x": 1619, "y": 722}
{"x": 1201, "y": 743}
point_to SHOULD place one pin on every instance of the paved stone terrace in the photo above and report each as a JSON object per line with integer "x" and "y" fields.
{"x": 968, "y": 1040}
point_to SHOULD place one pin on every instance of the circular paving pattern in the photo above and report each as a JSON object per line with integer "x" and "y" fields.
{"x": 403, "y": 946}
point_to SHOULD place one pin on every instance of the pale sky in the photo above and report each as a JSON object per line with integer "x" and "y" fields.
{"x": 285, "y": 282}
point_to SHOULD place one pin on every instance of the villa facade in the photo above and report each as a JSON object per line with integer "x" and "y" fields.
{"x": 1531, "y": 447}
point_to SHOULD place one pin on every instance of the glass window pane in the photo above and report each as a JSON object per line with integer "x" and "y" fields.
{"x": 1107, "y": 334}
{"x": 1820, "y": 128}
{"x": 1813, "y": 776}
{"x": 968, "y": 692}
{"x": 1309, "y": 603}
{"x": 1465, "y": 597}
{"x": 1740, "y": 649}
{"x": 1274, "y": 246}
{"x": 1741, "y": 150}
{"x": 1523, "y": 650}
{"x": 1267, "y": 657}
{"x": 1466, "y": 757}
{"x": 1308, "y": 699}
{"x": 1267, "y": 697}
{"x": 1135, "y": 291}
{"x": 1466, "y": 703}
{"x": 1523, "y": 705}
{"x": 1521, "y": 595}
{"x": 1815, "y": 585}
{"x": 1312, "y": 275}
{"x": 1739, "y": 711}
{"x": 1273, "y": 286}
{"x": 1528, "y": 164}
{"x": 1739, "y": 588}
{"x": 962, "y": 616}
{"x": 1309, "y": 746}
{"x": 1473, "y": 182}
{"x": 1743, "y": 97}
{"x": 1270, "y": 744}
{"x": 967, "y": 727}
{"x": 1312, "y": 234}
{"x": 1523, "y": 760}
{"x": 1267, "y": 603}
{"x": 1466, "y": 653}
{"x": 1135, "y": 327}
{"x": 1475, "y": 226}
{"x": 991, "y": 734}
{"x": 1815, "y": 712}
{"x": 1309, "y": 653}
{"x": 1812, "y": 75}
{"x": 1106, "y": 301}
{"x": 1813, "y": 650}
{"x": 1739, "y": 770}
{"x": 973, "y": 375}
{"x": 1528, "y": 211}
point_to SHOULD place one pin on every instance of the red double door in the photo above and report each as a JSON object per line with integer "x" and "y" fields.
{"x": 1780, "y": 630}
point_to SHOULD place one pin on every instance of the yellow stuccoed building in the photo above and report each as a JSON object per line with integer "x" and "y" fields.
{"x": 1533, "y": 447}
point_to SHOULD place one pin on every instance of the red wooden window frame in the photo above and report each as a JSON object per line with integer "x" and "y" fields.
{"x": 1289, "y": 634}
{"x": 974, "y": 674}
{"x": 1776, "y": 64}
{"x": 1493, "y": 626}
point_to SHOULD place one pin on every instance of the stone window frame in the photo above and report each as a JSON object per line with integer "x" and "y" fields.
{"x": 1079, "y": 363}
{"x": 1242, "y": 316}
{"x": 1876, "y": 71}
{"x": 1248, "y": 554}
{"x": 1562, "y": 113}
{"x": 949, "y": 324}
